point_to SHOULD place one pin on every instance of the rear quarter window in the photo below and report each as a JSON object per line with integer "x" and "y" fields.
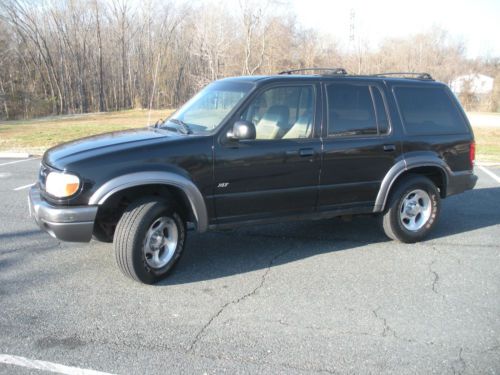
{"x": 428, "y": 110}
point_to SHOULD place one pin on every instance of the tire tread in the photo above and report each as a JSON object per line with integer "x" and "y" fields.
{"x": 125, "y": 234}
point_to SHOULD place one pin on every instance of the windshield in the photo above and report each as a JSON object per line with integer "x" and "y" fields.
{"x": 207, "y": 109}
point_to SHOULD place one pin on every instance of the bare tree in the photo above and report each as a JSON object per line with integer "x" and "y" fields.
{"x": 71, "y": 56}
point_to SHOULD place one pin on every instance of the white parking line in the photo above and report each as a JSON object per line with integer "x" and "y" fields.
{"x": 18, "y": 161}
{"x": 46, "y": 366}
{"x": 490, "y": 173}
{"x": 23, "y": 187}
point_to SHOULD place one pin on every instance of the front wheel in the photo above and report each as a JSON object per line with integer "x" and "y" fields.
{"x": 412, "y": 210}
{"x": 149, "y": 240}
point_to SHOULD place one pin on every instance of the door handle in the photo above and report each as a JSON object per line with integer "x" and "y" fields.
{"x": 305, "y": 152}
{"x": 389, "y": 148}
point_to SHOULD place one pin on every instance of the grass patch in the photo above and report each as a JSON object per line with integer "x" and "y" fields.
{"x": 487, "y": 144}
{"x": 37, "y": 135}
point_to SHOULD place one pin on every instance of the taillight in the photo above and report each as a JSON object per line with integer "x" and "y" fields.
{"x": 472, "y": 153}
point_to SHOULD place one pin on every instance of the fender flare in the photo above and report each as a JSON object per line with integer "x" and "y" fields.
{"x": 405, "y": 165}
{"x": 192, "y": 193}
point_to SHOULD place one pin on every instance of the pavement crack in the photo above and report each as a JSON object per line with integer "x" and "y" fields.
{"x": 254, "y": 291}
{"x": 386, "y": 328}
{"x": 458, "y": 366}
{"x": 436, "y": 277}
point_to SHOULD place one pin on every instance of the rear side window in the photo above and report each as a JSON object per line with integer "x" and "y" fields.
{"x": 355, "y": 109}
{"x": 428, "y": 110}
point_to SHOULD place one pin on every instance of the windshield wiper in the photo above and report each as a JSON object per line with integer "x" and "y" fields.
{"x": 158, "y": 123}
{"x": 184, "y": 128}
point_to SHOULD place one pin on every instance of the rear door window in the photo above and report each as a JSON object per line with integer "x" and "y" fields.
{"x": 428, "y": 110}
{"x": 350, "y": 110}
{"x": 356, "y": 110}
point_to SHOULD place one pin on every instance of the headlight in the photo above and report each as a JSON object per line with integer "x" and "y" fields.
{"x": 61, "y": 185}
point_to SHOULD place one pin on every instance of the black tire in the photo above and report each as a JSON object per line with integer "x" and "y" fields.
{"x": 395, "y": 220}
{"x": 130, "y": 239}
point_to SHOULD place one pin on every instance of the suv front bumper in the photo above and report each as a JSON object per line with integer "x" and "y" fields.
{"x": 69, "y": 223}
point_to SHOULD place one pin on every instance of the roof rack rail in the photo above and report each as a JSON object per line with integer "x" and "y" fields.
{"x": 418, "y": 75}
{"x": 333, "y": 71}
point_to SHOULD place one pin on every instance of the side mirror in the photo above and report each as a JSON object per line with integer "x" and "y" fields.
{"x": 242, "y": 130}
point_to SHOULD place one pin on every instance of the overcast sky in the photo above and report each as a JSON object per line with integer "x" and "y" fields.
{"x": 476, "y": 22}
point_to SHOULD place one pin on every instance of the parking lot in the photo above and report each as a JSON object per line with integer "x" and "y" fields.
{"x": 308, "y": 297}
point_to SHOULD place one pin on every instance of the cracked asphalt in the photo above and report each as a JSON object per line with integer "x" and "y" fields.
{"x": 308, "y": 297}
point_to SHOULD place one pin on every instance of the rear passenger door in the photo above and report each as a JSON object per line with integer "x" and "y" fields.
{"x": 360, "y": 145}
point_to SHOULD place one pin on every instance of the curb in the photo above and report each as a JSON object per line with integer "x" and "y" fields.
{"x": 14, "y": 155}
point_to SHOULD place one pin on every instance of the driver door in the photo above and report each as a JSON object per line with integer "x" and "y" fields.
{"x": 278, "y": 172}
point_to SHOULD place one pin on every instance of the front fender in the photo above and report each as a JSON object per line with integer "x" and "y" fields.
{"x": 156, "y": 177}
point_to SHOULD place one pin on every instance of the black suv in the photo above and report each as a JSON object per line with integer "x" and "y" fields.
{"x": 262, "y": 149}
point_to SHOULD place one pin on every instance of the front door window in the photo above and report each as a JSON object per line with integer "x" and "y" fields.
{"x": 282, "y": 113}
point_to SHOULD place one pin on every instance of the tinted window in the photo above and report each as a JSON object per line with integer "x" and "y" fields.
{"x": 428, "y": 110}
{"x": 282, "y": 112}
{"x": 350, "y": 110}
{"x": 382, "y": 121}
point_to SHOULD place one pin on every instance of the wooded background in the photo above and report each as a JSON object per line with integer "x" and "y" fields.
{"x": 78, "y": 56}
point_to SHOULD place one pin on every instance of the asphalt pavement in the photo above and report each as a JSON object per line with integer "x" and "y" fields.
{"x": 308, "y": 297}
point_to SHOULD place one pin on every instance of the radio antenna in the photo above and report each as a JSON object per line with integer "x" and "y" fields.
{"x": 155, "y": 76}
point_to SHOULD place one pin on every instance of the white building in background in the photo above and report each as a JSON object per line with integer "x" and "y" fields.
{"x": 477, "y": 84}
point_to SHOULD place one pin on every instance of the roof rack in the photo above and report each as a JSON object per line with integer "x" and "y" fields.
{"x": 343, "y": 72}
{"x": 403, "y": 74}
{"x": 333, "y": 71}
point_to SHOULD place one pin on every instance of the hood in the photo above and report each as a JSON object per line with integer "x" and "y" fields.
{"x": 98, "y": 145}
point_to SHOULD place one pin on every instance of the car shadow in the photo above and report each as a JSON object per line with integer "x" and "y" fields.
{"x": 224, "y": 253}
{"x": 18, "y": 234}
{"x": 474, "y": 209}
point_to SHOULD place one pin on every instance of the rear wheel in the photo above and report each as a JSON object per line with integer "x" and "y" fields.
{"x": 149, "y": 240}
{"x": 412, "y": 210}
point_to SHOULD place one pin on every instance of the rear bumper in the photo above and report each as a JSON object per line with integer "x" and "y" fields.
{"x": 73, "y": 224}
{"x": 460, "y": 181}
